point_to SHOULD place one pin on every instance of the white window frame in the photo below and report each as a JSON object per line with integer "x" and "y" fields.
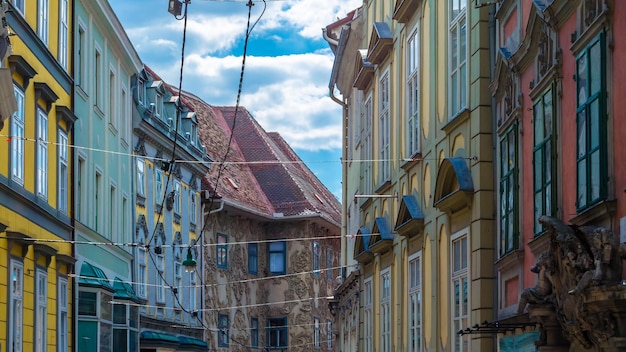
{"x": 42, "y": 153}
{"x": 329, "y": 334}
{"x": 81, "y": 187}
{"x": 63, "y": 181}
{"x": 178, "y": 282}
{"x": 415, "y": 302}
{"x": 19, "y": 5}
{"x": 125, "y": 117}
{"x": 413, "y": 122}
{"x": 98, "y": 79}
{"x": 63, "y": 33}
{"x": 316, "y": 258}
{"x": 459, "y": 276}
{"x": 366, "y": 156}
{"x": 316, "y": 333}
{"x": 16, "y": 308}
{"x": 368, "y": 315}
{"x": 457, "y": 70}
{"x": 43, "y": 14}
{"x": 158, "y": 185}
{"x": 384, "y": 127}
{"x": 17, "y": 138}
{"x": 177, "y": 196}
{"x": 193, "y": 293}
{"x": 98, "y": 202}
{"x": 142, "y": 271}
{"x": 62, "y": 315}
{"x": 113, "y": 105}
{"x": 113, "y": 210}
{"x": 141, "y": 177}
{"x": 160, "y": 273}
{"x": 141, "y": 91}
{"x": 158, "y": 109}
{"x": 193, "y": 207}
{"x": 81, "y": 60}
{"x": 41, "y": 310}
{"x": 385, "y": 310}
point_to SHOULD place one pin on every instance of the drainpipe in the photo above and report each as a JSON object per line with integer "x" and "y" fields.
{"x": 344, "y": 155}
{"x": 344, "y": 180}
{"x": 330, "y": 40}
{"x": 494, "y": 135}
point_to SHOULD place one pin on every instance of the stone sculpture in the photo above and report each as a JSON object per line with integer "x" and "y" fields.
{"x": 542, "y": 291}
{"x": 578, "y": 258}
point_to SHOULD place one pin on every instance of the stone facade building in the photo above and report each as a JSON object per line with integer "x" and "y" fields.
{"x": 271, "y": 239}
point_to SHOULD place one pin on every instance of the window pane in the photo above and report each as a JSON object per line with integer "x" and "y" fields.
{"x": 120, "y": 343}
{"x": 119, "y": 314}
{"x": 594, "y": 125}
{"x": 582, "y": 80}
{"x": 548, "y": 113}
{"x": 582, "y": 134}
{"x": 538, "y": 122}
{"x": 582, "y": 183}
{"x": 462, "y": 41}
{"x": 595, "y": 176}
{"x": 276, "y": 263}
{"x": 87, "y": 303}
{"x": 595, "y": 63}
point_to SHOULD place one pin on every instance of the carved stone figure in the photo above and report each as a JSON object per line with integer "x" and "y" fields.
{"x": 579, "y": 257}
{"x": 542, "y": 291}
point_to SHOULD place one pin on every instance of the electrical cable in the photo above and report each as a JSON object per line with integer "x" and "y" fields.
{"x": 171, "y": 164}
{"x": 139, "y": 244}
{"x": 226, "y": 163}
{"x": 222, "y": 164}
{"x": 255, "y": 279}
{"x": 252, "y": 305}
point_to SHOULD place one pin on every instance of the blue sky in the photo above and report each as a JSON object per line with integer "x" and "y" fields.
{"x": 287, "y": 66}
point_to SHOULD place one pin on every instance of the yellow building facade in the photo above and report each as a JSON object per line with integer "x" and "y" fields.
{"x": 418, "y": 177}
{"x": 35, "y": 195}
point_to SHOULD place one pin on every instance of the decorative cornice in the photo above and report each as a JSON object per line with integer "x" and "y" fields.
{"x": 405, "y": 10}
{"x": 18, "y": 64}
{"x": 43, "y": 91}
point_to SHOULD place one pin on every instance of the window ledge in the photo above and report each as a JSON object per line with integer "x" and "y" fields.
{"x": 112, "y": 128}
{"x": 414, "y": 160}
{"x": 98, "y": 111}
{"x": 456, "y": 120}
{"x": 595, "y": 213}
{"x": 141, "y": 200}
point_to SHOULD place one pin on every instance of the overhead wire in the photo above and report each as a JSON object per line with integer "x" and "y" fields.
{"x": 251, "y": 305}
{"x": 139, "y": 244}
{"x": 171, "y": 165}
{"x": 242, "y": 281}
{"x": 226, "y": 163}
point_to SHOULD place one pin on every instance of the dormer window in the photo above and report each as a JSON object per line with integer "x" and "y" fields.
{"x": 158, "y": 109}
{"x": 194, "y": 134}
{"x": 141, "y": 91}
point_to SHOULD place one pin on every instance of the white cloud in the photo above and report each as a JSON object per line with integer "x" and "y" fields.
{"x": 307, "y": 16}
{"x": 287, "y": 94}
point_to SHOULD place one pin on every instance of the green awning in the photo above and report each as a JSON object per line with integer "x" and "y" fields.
{"x": 93, "y": 276}
{"x": 124, "y": 290}
{"x": 190, "y": 341}
{"x": 156, "y": 336}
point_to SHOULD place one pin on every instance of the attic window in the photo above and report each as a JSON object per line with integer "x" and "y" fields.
{"x": 232, "y": 183}
{"x": 318, "y": 198}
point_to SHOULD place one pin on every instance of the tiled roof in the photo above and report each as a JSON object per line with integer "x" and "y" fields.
{"x": 262, "y": 171}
